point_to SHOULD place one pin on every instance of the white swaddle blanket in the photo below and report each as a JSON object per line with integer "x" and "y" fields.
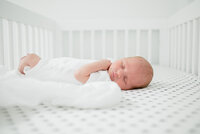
{"x": 16, "y": 89}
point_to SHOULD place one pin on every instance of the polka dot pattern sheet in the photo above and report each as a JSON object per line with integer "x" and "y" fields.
{"x": 169, "y": 105}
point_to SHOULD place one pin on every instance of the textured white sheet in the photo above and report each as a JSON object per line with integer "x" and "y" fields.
{"x": 170, "y": 105}
{"x": 16, "y": 89}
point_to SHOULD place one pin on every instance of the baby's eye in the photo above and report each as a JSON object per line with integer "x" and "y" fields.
{"x": 122, "y": 65}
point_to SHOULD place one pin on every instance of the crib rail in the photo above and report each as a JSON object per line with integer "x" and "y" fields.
{"x": 184, "y": 39}
{"x": 112, "y": 43}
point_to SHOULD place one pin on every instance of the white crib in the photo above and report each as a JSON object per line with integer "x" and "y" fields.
{"x": 170, "y": 105}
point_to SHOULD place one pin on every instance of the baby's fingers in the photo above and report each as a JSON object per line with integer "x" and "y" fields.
{"x": 21, "y": 68}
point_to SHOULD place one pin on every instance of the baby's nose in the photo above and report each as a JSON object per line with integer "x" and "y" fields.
{"x": 119, "y": 73}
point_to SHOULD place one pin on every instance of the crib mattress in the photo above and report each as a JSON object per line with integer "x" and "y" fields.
{"x": 170, "y": 105}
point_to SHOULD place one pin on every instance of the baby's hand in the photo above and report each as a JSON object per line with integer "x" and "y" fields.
{"x": 83, "y": 73}
{"x": 30, "y": 60}
{"x": 105, "y": 63}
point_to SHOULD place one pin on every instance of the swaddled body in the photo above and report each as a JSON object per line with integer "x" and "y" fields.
{"x": 62, "y": 70}
{"x": 52, "y": 82}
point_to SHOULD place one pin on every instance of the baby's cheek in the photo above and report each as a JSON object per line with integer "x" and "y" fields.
{"x": 119, "y": 83}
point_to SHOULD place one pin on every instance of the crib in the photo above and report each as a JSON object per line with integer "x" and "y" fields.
{"x": 169, "y": 105}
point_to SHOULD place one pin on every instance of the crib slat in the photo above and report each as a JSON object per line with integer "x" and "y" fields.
{"x": 183, "y": 47}
{"x": 1, "y": 44}
{"x": 9, "y": 47}
{"x": 34, "y": 40}
{"x": 138, "y": 32}
{"x": 189, "y": 44}
{"x": 30, "y": 39}
{"x": 23, "y": 39}
{"x": 11, "y": 42}
{"x": 150, "y": 45}
{"x": 132, "y": 42}
{"x": 194, "y": 48}
{"x": 42, "y": 43}
{"x": 126, "y": 54}
{"x": 115, "y": 44}
{"x": 92, "y": 44}
{"x": 51, "y": 44}
{"x": 46, "y": 44}
{"x": 39, "y": 42}
{"x": 175, "y": 47}
{"x": 172, "y": 47}
{"x": 104, "y": 44}
{"x": 174, "y": 50}
{"x": 36, "y": 35}
{"x": 81, "y": 44}
{"x": 70, "y": 44}
{"x": 109, "y": 43}
{"x": 15, "y": 44}
{"x": 6, "y": 43}
{"x": 199, "y": 47}
{"x": 178, "y": 47}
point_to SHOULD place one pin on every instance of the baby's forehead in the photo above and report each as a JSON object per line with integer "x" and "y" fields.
{"x": 134, "y": 61}
{"x": 130, "y": 61}
{"x": 133, "y": 66}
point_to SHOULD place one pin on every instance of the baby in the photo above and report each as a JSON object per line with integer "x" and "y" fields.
{"x": 128, "y": 73}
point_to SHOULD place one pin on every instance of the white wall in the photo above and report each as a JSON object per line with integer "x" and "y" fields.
{"x": 63, "y": 10}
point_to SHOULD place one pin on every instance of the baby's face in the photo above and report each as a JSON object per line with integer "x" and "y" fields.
{"x": 123, "y": 72}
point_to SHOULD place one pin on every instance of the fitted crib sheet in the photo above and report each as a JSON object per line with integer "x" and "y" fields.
{"x": 169, "y": 105}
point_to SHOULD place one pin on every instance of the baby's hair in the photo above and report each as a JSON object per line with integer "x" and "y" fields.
{"x": 146, "y": 71}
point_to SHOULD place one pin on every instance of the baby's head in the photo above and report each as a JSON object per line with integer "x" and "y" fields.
{"x": 131, "y": 72}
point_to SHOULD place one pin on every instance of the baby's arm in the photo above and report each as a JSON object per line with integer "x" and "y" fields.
{"x": 84, "y": 72}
